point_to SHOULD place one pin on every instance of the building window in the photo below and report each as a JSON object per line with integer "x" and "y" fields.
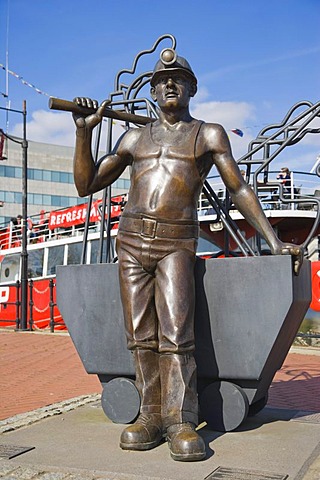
{"x": 64, "y": 177}
{"x": 10, "y": 172}
{"x": 37, "y": 174}
{"x": 18, "y": 172}
{"x": 37, "y": 199}
{"x": 55, "y": 176}
{"x": 46, "y": 175}
{"x": 46, "y": 199}
{"x": 17, "y": 197}
{"x": 64, "y": 201}
{"x": 40, "y": 199}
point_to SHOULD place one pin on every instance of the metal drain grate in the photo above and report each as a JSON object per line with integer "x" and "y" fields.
{"x": 223, "y": 473}
{"x": 306, "y": 417}
{"x": 11, "y": 451}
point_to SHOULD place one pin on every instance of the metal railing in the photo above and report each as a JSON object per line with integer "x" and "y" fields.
{"x": 51, "y": 322}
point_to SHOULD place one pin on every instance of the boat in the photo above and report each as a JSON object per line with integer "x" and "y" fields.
{"x": 54, "y": 238}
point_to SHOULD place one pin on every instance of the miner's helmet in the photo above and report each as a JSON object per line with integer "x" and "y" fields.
{"x": 171, "y": 62}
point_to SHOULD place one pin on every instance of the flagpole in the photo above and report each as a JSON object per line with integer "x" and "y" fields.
{"x": 7, "y": 70}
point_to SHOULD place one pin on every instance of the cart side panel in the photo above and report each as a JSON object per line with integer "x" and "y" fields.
{"x": 89, "y": 301}
{"x": 301, "y": 300}
{"x": 248, "y": 311}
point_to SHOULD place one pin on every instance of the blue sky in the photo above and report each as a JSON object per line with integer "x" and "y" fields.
{"x": 253, "y": 59}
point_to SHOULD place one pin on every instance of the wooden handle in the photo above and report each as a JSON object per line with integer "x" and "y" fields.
{"x": 67, "y": 106}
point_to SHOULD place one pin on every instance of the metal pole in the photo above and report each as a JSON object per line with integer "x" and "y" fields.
{"x": 51, "y": 304}
{"x": 31, "y": 305}
{"x": 24, "y": 252}
{"x": 18, "y": 317}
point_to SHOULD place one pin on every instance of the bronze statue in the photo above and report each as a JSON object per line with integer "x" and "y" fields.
{"x": 156, "y": 246}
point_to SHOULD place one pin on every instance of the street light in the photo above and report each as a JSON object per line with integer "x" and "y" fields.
{"x": 24, "y": 252}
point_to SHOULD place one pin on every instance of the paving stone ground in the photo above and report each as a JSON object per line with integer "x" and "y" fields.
{"x": 296, "y": 385}
{"x": 41, "y": 373}
{"x": 39, "y": 369}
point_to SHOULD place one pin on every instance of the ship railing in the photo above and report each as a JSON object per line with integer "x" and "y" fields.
{"x": 53, "y": 321}
{"x": 304, "y": 186}
{"x": 308, "y": 339}
{"x": 17, "y": 302}
{"x": 9, "y": 239}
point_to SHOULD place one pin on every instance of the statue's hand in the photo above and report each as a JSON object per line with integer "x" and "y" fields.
{"x": 89, "y": 121}
{"x": 296, "y": 251}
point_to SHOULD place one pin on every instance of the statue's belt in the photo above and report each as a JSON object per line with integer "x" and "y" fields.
{"x": 151, "y": 228}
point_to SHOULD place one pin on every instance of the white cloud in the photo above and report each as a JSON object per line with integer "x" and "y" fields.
{"x": 49, "y": 127}
{"x": 56, "y": 128}
{"x": 312, "y": 138}
{"x": 202, "y": 95}
{"x": 230, "y": 115}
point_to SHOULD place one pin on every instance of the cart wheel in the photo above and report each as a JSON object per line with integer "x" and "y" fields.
{"x": 224, "y": 406}
{"x": 120, "y": 400}
{"x": 255, "y": 407}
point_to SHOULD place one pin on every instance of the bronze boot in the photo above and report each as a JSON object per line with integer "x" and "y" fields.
{"x": 146, "y": 432}
{"x": 178, "y": 389}
{"x": 184, "y": 443}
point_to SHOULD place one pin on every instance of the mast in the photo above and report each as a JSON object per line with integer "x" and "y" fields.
{"x": 7, "y": 68}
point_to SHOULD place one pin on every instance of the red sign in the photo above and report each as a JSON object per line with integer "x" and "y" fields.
{"x": 77, "y": 215}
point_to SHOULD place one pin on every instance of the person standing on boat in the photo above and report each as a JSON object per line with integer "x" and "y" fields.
{"x": 156, "y": 246}
{"x": 285, "y": 176}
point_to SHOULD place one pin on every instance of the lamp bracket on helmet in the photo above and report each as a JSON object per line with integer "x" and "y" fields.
{"x": 168, "y": 56}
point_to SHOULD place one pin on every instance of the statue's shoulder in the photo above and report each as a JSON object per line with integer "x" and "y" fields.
{"x": 134, "y": 132}
{"x": 212, "y": 128}
{"x": 212, "y": 138}
{"x": 211, "y": 132}
{"x": 131, "y": 136}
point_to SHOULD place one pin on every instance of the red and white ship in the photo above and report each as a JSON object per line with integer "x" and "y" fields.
{"x": 54, "y": 238}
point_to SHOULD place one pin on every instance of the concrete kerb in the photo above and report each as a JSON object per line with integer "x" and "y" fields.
{"x": 305, "y": 350}
{"x": 9, "y": 471}
{"x": 28, "y": 418}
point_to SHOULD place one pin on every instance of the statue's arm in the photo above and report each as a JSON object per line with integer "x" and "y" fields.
{"x": 242, "y": 194}
{"x": 88, "y": 176}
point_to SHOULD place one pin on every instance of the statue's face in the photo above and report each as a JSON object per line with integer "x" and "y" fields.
{"x": 173, "y": 90}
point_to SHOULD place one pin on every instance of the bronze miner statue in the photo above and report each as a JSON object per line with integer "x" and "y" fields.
{"x": 156, "y": 246}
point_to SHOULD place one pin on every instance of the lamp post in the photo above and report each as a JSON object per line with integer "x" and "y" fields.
{"x": 24, "y": 252}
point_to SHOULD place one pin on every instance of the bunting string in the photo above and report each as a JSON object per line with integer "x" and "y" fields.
{"x": 19, "y": 77}
{"x": 236, "y": 131}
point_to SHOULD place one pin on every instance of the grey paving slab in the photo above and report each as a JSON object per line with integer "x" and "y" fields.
{"x": 82, "y": 444}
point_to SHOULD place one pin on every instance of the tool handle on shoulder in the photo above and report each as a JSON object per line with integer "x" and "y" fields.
{"x": 67, "y": 106}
